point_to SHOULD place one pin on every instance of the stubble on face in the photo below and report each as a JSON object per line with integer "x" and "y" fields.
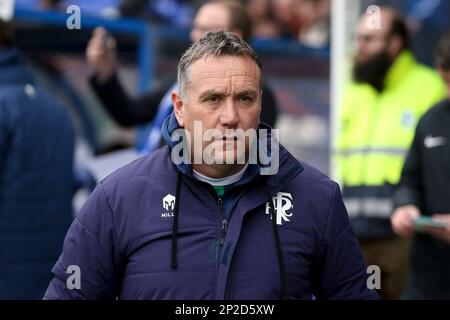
{"x": 224, "y": 94}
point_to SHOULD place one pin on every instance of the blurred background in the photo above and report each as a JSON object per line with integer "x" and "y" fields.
{"x": 304, "y": 69}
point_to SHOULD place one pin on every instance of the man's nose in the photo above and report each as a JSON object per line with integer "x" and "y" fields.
{"x": 229, "y": 116}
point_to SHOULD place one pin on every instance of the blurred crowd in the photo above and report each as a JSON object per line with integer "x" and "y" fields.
{"x": 304, "y": 20}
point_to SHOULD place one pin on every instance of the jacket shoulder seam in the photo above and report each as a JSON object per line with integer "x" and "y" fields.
{"x": 111, "y": 213}
{"x": 330, "y": 216}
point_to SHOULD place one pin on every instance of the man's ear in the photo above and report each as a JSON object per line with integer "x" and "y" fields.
{"x": 178, "y": 107}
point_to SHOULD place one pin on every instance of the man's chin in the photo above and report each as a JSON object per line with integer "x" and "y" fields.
{"x": 229, "y": 157}
{"x": 224, "y": 151}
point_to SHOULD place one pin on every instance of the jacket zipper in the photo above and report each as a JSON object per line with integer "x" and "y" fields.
{"x": 224, "y": 225}
{"x": 223, "y": 232}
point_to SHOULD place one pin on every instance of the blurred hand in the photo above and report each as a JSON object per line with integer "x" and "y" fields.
{"x": 101, "y": 54}
{"x": 402, "y": 218}
{"x": 441, "y": 233}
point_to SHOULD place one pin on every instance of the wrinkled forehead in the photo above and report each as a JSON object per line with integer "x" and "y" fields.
{"x": 221, "y": 69}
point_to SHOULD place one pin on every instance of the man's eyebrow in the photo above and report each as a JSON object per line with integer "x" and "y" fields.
{"x": 210, "y": 93}
{"x": 215, "y": 92}
{"x": 247, "y": 93}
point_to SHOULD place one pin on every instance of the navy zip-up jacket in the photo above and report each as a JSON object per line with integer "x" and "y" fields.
{"x": 123, "y": 240}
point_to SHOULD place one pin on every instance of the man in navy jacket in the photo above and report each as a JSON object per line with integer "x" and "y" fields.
{"x": 173, "y": 225}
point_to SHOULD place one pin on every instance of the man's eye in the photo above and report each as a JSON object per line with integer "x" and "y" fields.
{"x": 246, "y": 99}
{"x": 213, "y": 99}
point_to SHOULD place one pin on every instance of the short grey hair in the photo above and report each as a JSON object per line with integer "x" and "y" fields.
{"x": 215, "y": 44}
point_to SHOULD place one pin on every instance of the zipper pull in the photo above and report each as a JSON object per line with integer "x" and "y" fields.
{"x": 224, "y": 230}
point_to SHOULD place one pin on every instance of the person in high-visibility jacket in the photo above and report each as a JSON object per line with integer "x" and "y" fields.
{"x": 378, "y": 115}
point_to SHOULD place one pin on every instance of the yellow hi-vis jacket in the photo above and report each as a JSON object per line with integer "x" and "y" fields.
{"x": 376, "y": 130}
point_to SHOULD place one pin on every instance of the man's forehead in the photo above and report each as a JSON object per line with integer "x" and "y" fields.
{"x": 224, "y": 67}
{"x": 225, "y": 62}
